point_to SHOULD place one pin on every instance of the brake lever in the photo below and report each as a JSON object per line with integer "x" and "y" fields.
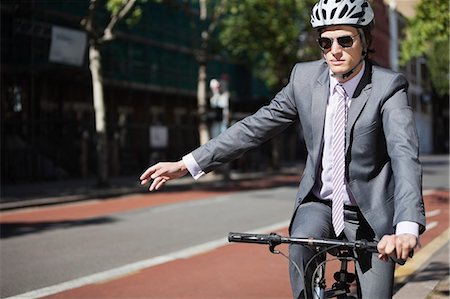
{"x": 273, "y": 242}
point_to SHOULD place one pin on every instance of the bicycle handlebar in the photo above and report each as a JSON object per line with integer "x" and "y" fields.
{"x": 274, "y": 239}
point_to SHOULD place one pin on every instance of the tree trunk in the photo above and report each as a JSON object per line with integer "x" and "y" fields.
{"x": 95, "y": 66}
{"x": 203, "y": 130}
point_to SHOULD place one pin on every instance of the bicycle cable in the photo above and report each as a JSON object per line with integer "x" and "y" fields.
{"x": 314, "y": 257}
{"x": 296, "y": 267}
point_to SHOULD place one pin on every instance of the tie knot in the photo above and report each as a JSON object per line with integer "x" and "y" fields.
{"x": 340, "y": 91}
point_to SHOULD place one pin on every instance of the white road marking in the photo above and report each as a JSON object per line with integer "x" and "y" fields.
{"x": 433, "y": 213}
{"x": 431, "y": 225}
{"x": 134, "y": 267}
{"x": 428, "y": 192}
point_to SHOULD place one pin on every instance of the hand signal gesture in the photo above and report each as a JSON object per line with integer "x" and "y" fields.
{"x": 162, "y": 172}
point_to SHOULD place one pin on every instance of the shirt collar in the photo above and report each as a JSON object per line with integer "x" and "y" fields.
{"x": 350, "y": 85}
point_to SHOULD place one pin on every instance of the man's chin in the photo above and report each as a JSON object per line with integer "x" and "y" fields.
{"x": 340, "y": 70}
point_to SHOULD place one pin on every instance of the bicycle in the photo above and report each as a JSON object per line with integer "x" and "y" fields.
{"x": 343, "y": 250}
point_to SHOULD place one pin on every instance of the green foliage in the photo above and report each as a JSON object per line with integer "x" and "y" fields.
{"x": 114, "y": 6}
{"x": 438, "y": 62}
{"x": 133, "y": 17}
{"x": 270, "y": 35}
{"x": 427, "y": 34}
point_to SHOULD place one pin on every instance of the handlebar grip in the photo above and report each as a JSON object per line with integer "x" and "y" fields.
{"x": 401, "y": 262}
{"x": 372, "y": 247}
{"x": 254, "y": 238}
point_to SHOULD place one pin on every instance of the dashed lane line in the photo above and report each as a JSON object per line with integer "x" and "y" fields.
{"x": 431, "y": 225}
{"x": 137, "y": 266}
{"x": 433, "y": 213}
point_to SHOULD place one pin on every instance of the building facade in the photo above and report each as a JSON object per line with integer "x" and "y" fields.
{"x": 150, "y": 79}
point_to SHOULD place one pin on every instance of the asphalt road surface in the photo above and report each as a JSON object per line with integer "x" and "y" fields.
{"x": 42, "y": 253}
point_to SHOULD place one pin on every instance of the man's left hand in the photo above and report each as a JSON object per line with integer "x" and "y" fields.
{"x": 397, "y": 245}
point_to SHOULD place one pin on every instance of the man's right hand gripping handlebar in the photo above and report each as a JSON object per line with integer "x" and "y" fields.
{"x": 397, "y": 247}
{"x": 163, "y": 172}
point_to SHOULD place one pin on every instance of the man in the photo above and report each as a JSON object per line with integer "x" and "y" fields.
{"x": 362, "y": 177}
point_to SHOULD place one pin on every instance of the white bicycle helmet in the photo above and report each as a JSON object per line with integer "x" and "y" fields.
{"x": 341, "y": 12}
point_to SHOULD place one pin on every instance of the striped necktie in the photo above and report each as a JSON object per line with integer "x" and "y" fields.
{"x": 338, "y": 150}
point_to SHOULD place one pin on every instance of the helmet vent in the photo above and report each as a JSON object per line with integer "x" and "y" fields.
{"x": 333, "y": 12}
{"x": 357, "y": 15}
{"x": 343, "y": 11}
{"x": 351, "y": 10}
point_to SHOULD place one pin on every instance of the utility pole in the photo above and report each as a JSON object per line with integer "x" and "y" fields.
{"x": 393, "y": 32}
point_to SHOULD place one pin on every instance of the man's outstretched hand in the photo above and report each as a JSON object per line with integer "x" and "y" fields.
{"x": 163, "y": 172}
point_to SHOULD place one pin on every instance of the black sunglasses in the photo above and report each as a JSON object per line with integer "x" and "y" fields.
{"x": 346, "y": 41}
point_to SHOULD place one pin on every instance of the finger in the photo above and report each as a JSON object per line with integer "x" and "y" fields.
{"x": 399, "y": 247}
{"x": 408, "y": 246}
{"x": 390, "y": 246}
{"x": 159, "y": 172}
{"x": 160, "y": 184}
{"x": 382, "y": 246}
{"x": 154, "y": 184}
{"x": 147, "y": 173}
{"x": 405, "y": 252}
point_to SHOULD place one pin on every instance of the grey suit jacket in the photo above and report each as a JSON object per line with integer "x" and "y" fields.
{"x": 382, "y": 165}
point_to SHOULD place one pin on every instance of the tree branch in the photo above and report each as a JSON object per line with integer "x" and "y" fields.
{"x": 88, "y": 22}
{"x": 218, "y": 13}
{"x": 115, "y": 18}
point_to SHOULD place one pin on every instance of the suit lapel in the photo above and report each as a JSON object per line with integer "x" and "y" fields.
{"x": 359, "y": 100}
{"x": 319, "y": 105}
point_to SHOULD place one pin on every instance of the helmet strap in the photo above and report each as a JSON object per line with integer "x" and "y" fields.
{"x": 350, "y": 72}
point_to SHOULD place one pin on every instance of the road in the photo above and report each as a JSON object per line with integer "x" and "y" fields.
{"x": 91, "y": 242}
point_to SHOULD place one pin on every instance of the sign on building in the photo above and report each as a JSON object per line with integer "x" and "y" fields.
{"x": 159, "y": 136}
{"x": 67, "y": 46}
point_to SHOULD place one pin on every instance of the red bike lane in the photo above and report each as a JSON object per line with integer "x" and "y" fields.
{"x": 231, "y": 271}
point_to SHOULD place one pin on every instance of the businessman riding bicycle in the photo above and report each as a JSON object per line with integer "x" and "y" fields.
{"x": 362, "y": 178}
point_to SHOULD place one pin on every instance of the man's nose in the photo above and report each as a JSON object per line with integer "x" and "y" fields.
{"x": 336, "y": 48}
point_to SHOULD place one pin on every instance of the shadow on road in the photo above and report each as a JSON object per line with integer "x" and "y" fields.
{"x": 16, "y": 229}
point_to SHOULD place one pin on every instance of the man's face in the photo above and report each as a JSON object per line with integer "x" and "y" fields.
{"x": 342, "y": 59}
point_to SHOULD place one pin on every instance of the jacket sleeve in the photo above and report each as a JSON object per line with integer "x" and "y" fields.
{"x": 403, "y": 149}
